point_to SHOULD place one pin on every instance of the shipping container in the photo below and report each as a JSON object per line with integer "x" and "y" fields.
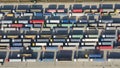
{"x": 61, "y": 9}
{"x": 9, "y": 29}
{"x": 7, "y": 8}
{"x": 2, "y": 56}
{"x": 107, "y": 39}
{"x": 92, "y": 19}
{"x": 117, "y": 8}
{"x": 74, "y": 40}
{"x": 106, "y": 43}
{"x": 47, "y": 57}
{"x": 10, "y": 15}
{"x": 87, "y": 47}
{"x": 83, "y": 60}
{"x": 22, "y": 8}
{"x": 5, "y": 40}
{"x": 90, "y": 43}
{"x": 90, "y": 39}
{"x": 72, "y": 19}
{"x": 51, "y": 8}
{"x": 95, "y": 56}
{"x": 36, "y": 48}
{"x": 69, "y": 48}
{"x": 56, "y": 43}
{"x": 59, "y": 40}
{"x": 38, "y": 14}
{"x": 97, "y": 60}
{"x": 106, "y": 8}
{"x": 36, "y": 8}
{"x": 94, "y": 8}
{"x": 41, "y": 44}
{"x": 32, "y": 58}
{"x": 1, "y": 15}
{"x": 24, "y": 29}
{"x": 106, "y": 19}
{"x": 14, "y": 57}
{"x": 16, "y": 48}
{"x": 17, "y": 25}
{"x": 27, "y": 44}
{"x": 42, "y": 40}
{"x": 65, "y": 19}
{"x": 26, "y": 40}
{"x": 17, "y": 44}
{"x": 53, "y": 19}
{"x": 64, "y": 55}
{"x": 4, "y": 44}
{"x": 37, "y": 20}
{"x": 77, "y": 8}
{"x": 104, "y": 47}
{"x": 83, "y": 19}
{"x": 113, "y": 55}
{"x": 61, "y": 14}
{"x": 28, "y": 14}
{"x": 23, "y": 19}
{"x": 73, "y": 43}
{"x": 78, "y": 14}
{"x": 52, "y": 48}
{"x": 86, "y": 8}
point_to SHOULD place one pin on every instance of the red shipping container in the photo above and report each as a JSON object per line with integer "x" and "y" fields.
{"x": 118, "y": 36}
{"x": 104, "y": 47}
{"x": 77, "y": 10}
{"x": 17, "y": 25}
{"x": 37, "y": 21}
{"x": 101, "y": 10}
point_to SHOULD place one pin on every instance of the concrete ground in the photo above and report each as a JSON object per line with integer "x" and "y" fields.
{"x": 67, "y": 64}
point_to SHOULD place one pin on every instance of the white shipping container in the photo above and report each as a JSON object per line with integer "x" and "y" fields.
{"x": 1, "y": 14}
{"x": 116, "y": 24}
{"x": 41, "y": 44}
{"x": 110, "y": 35}
{"x": 35, "y": 10}
{"x": 16, "y": 40}
{"x": 54, "y": 21}
{"x": 42, "y": 40}
{"x": 7, "y": 21}
{"x": 90, "y": 39}
{"x": 84, "y": 60}
{"x": 14, "y": 60}
{"x": 26, "y": 44}
{"x": 111, "y": 28}
{"x": 88, "y": 47}
{"x": 4, "y": 25}
{"x": 70, "y": 43}
{"x": 57, "y": 44}
{"x": 7, "y": 29}
{"x": 4, "y": 40}
{"x": 1, "y": 60}
{"x": 28, "y": 14}
{"x": 78, "y": 14}
{"x": 30, "y": 60}
{"x": 108, "y": 39}
{"x": 90, "y": 43}
{"x": 106, "y": 10}
{"x": 23, "y": 21}
{"x": 69, "y": 48}
{"x": 111, "y": 60}
{"x": 4, "y": 44}
{"x": 26, "y": 40}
